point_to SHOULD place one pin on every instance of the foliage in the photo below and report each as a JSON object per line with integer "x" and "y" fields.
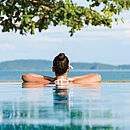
{"x": 27, "y": 15}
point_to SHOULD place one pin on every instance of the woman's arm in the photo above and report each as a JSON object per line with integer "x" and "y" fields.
{"x": 32, "y": 85}
{"x": 88, "y": 78}
{"x": 30, "y": 77}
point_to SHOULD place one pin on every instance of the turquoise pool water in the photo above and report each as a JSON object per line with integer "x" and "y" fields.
{"x": 77, "y": 107}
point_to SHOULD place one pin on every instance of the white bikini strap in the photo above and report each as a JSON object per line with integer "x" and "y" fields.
{"x": 60, "y": 82}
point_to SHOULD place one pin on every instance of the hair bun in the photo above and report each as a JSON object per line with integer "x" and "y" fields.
{"x": 61, "y": 56}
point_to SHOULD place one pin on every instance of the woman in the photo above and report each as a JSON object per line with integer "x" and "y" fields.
{"x": 61, "y": 68}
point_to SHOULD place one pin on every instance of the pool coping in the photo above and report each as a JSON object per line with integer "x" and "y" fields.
{"x": 98, "y": 82}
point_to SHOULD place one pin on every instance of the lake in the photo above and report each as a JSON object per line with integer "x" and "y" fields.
{"x": 91, "y": 106}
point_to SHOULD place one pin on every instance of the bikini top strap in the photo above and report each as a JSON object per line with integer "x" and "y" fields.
{"x": 61, "y": 82}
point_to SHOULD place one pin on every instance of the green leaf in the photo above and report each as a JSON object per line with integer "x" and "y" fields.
{"x": 122, "y": 20}
{"x": 26, "y": 20}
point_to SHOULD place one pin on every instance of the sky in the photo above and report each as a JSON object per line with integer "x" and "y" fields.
{"x": 91, "y": 44}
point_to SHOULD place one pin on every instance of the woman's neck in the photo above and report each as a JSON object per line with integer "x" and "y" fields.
{"x": 64, "y": 76}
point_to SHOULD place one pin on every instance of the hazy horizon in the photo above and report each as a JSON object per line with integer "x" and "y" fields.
{"x": 70, "y": 61}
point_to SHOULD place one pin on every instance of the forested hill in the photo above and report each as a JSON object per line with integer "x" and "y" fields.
{"x": 26, "y": 65}
{"x": 46, "y": 65}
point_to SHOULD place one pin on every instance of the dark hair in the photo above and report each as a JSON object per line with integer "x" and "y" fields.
{"x": 60, "y": 64}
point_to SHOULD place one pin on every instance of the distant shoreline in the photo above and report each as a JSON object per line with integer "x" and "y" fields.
{"x": 46, "y": 65}
{"x": 76, "y": 70}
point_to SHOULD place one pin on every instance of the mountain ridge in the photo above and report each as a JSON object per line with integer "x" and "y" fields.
{"x": 39, "y": 64}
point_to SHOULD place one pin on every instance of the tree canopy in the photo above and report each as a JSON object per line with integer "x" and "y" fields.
{"x": 28, "y": 15}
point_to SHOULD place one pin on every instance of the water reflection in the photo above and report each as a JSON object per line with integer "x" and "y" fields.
{"x": 80, "y": 107}
{"x": 61, "y": 99}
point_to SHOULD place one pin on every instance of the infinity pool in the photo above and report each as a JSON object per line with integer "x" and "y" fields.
{"x": 104, "y": 106}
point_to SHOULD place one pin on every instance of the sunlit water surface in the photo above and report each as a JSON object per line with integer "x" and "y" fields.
{"x": 76, "y": 107}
